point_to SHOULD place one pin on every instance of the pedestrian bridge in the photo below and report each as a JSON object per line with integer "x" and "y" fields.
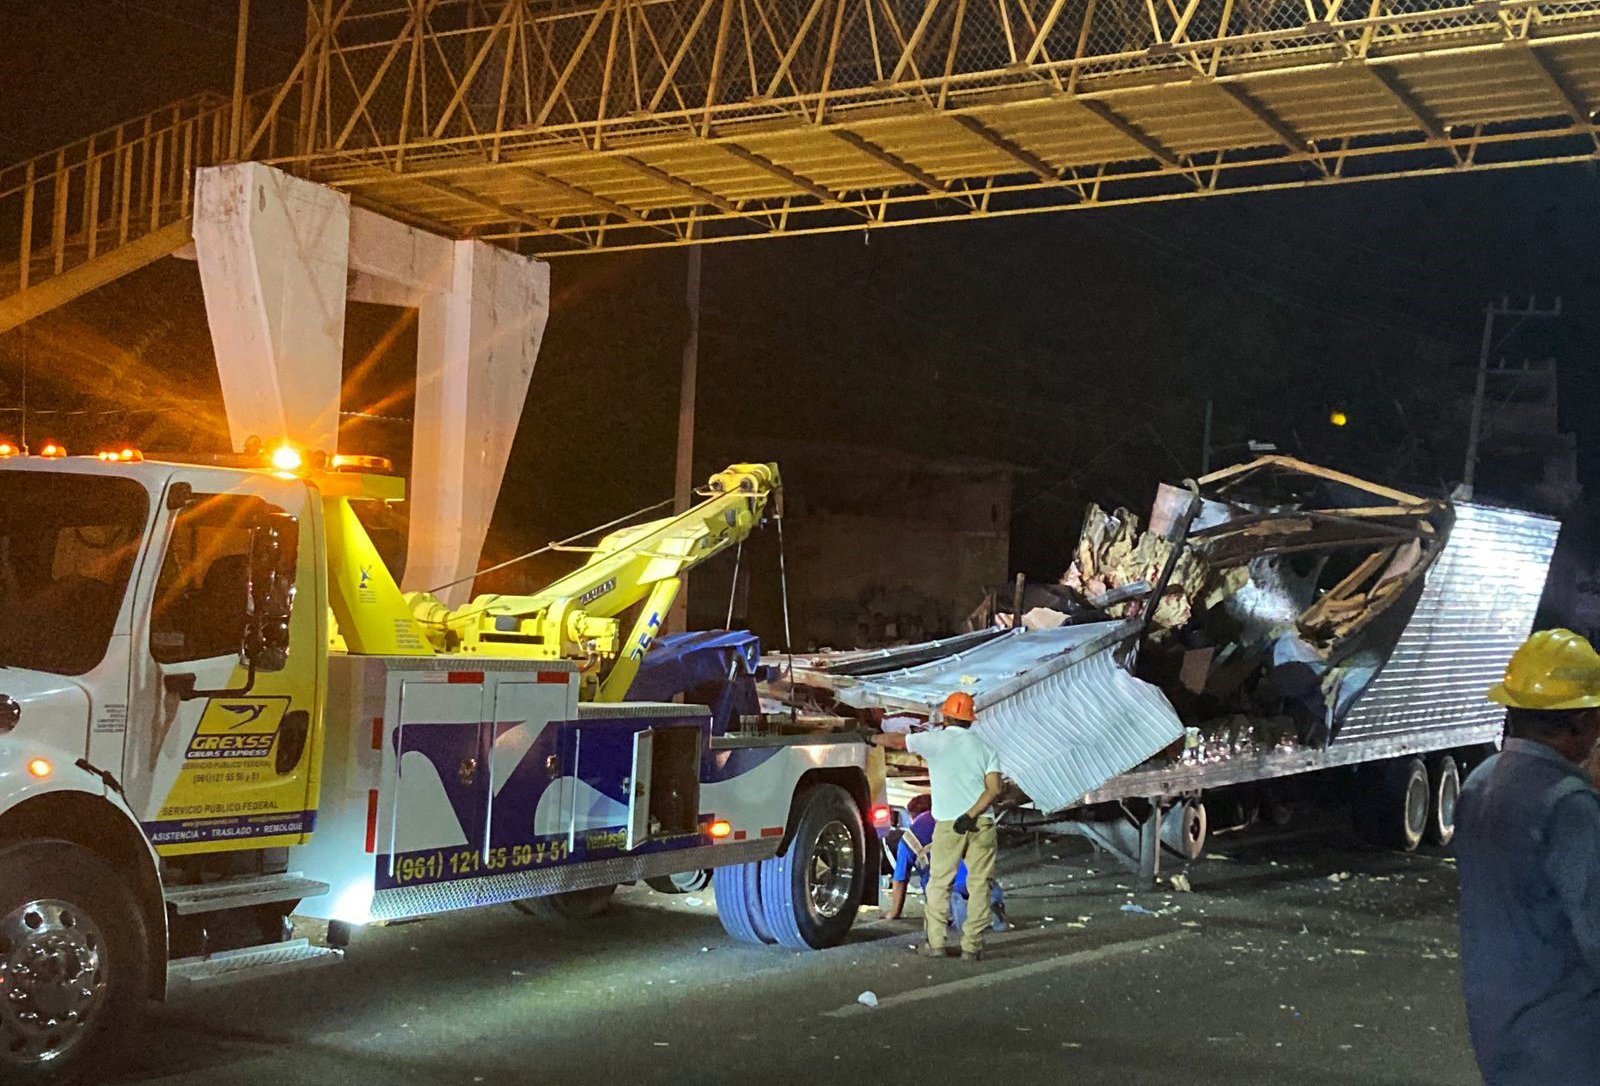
{"x": 570, "y": 126}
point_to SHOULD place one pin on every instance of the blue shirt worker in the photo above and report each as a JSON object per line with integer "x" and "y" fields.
{"x": 914, "y": 855}
{"x": 1528, "y": 849}
{"x": 964, "y": 775}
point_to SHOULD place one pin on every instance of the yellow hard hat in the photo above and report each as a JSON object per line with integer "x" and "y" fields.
{"x": 1554, "y": 669}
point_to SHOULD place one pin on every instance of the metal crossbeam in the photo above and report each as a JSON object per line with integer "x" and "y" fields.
{"x": 891, "y": 160}
{"x": 1133, "y": 132}
{"x": 1024, "y": 157}
{"x": 1413, "y": 108}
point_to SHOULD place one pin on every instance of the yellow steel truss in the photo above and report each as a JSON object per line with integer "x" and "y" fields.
{"x": 581, "y": 125}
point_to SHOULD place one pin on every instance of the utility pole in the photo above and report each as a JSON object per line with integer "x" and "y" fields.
{"x": 683, "y": 483}
{"x": 1469, "y": 471}
{"x": 236, "y": 114}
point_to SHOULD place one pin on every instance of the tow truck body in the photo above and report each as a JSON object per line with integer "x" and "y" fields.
{"x": 219, "y": 709}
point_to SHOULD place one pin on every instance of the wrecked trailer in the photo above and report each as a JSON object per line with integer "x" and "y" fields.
{"x": 1273, "y": 620}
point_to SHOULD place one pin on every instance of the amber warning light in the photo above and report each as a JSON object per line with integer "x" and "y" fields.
{"x": 720, "y": 828}
{"x": 53, "y": 450}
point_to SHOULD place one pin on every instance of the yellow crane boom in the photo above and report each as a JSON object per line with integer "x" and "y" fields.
{"x": 578, "y": 616}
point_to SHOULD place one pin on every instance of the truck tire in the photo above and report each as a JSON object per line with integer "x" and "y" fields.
{"x": 681, "y": 882}
{"x": 810, "y": 894}
{"x": 1184, "y": 828}
{"x": 1391, "y": 803}
{"x": 738, "y": 892}
{"x": 571, "y": 905}
{"x": 74, "y": 963}
{"x": 1444, "y": 788}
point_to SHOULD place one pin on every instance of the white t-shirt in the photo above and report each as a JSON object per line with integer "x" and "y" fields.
{"x": 957, "y": 762}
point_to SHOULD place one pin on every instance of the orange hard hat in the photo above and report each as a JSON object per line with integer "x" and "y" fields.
{"x": 958, "y": 706}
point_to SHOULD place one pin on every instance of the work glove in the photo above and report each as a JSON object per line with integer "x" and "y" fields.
{"x": 966, "y": 824}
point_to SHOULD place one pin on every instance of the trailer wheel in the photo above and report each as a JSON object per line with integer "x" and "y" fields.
{"x": 73, "y": 964}
{"x": 571, "y": 905}
{"x": 1444, "y": 788}
{"x": 680, "y": 882}
{"x": 810, "y": 894}
{"x": 738, "y": 892}
{"x": 1184, "y": 828}
{"x": 1391, "y": 804}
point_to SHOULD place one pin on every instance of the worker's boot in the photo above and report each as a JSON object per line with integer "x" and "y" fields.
{"x": 928, "y": 951}
{"x": 972, "y": 955}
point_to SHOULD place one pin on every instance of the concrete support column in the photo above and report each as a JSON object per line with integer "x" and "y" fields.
{"x": 476, "y": 347}
{"x": 273, "y": 252}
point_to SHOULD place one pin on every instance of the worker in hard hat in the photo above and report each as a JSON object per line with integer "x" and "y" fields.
{"x": 1528, "y": 849}
{"x": 964, "y": 774}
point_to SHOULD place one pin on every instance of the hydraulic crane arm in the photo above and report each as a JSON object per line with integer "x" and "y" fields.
{"x": 577, "y": 617}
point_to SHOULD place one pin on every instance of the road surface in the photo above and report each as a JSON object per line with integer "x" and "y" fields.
{"x": 1297, "y": 957}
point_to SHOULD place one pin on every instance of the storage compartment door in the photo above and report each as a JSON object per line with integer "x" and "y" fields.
{"x": 639, "y": 796}
{"x": 441, "y": 788}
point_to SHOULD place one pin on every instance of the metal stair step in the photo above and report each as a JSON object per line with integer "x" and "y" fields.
{"x": 239, "y": 893}
{"x": 262, "y": 961}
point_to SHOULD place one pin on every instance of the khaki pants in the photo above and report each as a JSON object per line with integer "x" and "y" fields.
{"x": 949, "y": 848}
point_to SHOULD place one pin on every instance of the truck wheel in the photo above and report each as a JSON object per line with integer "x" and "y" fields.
{"x": 73, "y": 962}
{"x": 738, "y": 892}
{"x": 810, "y": 894}
{"x": 1184, "y": 828}
{"x": 1444, "y": 788}
{"x": 681, "y": 882}
{"x": 1391, "y": 804}
{"x": 571, "y": 905}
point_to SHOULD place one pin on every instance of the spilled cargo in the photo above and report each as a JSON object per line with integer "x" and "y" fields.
{"x": 1266, "y": 621}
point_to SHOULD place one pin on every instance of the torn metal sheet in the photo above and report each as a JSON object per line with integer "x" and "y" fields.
{"x": 1066, "y": 728}
{"x": 1064, "y": 715}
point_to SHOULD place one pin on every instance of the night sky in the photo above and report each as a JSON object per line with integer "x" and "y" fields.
{"x": 1079, "y": 346}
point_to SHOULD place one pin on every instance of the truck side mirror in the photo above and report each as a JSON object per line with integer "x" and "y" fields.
{"x": 274, "y": 555}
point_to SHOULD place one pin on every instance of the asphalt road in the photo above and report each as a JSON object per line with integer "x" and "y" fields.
{"x": 1268, "y": 971}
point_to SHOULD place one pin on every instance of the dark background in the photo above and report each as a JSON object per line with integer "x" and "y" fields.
{"x": 1081, "y": 347}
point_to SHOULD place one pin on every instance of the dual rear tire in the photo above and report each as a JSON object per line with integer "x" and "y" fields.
{"x": 1401, "y": 803}
{"x": 807, "y": 898}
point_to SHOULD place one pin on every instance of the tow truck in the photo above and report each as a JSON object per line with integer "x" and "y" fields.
{"x": 218, "y": 711}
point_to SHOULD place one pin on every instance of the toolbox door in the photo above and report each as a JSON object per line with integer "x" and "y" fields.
{"x": 639, "y": 794}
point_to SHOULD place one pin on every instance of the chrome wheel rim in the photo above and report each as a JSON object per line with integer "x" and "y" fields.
{"x": 831, "y": 874}
{"x": 52, "y": 979}
{"x": 1417, "y": 806}
{"x": 1449, "y": 791}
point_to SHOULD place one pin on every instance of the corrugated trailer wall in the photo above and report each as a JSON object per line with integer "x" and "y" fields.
{"x": 1478, "y": 605}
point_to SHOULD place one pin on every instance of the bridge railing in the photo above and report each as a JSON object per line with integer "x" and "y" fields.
{"x": 67, "y": 207}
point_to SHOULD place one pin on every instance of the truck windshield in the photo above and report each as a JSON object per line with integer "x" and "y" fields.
{"x": 67, "y": 546}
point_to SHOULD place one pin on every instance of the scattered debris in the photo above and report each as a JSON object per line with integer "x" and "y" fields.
{"x": 1339, "y": 876}
{"x": 1180, "y": 882}
{"x": 1134, "y": 907}
{"x": 868, "y": 999}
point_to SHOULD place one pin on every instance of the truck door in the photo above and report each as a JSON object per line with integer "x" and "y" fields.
{"x": 223, "y": 761}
